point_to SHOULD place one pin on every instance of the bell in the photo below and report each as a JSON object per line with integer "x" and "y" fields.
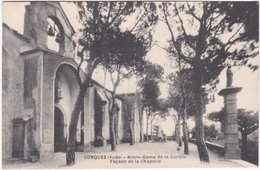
{"x": 51, "y": 32}
{"x": 58, "y": 38}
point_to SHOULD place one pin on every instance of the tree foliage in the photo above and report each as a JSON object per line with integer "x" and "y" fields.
{"x": 247, "y": 120}
{"x": 150, "y": 77}
{"x": 210, "y": 21}
{"x": 150, "y": 93}
{"x": 150, "y": 71}
{"x": 181, "y": 89}
{"x": 247, "y": 124}
{"x": 249, "y": 16}
{"x": 208, "y": 36}
{"x": 102, "y": 40}
{"x": 210, "y": 131}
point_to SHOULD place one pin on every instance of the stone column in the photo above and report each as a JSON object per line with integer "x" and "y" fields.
{"x": 232, "y": 150}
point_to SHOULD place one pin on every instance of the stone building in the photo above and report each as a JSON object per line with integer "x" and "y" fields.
{"x": 40, "y": 88}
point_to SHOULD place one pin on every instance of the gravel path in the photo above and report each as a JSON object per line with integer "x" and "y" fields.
{"x": 142, "y": 155}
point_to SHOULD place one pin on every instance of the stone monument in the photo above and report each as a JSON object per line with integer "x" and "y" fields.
{"x": 232, "y": 150}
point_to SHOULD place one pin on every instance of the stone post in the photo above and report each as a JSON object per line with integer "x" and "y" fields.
{"x": 232, "y": 150}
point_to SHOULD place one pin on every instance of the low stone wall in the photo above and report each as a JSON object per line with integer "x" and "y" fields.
{"x": 219, "y": 149}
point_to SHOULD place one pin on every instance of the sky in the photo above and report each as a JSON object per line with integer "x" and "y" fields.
{"x": 248, "y": 98}
{"x": 243, "y": 77}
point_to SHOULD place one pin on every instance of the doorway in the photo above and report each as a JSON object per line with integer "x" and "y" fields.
{"x": 18, "y": 138}
{"x": 59, "y": 140}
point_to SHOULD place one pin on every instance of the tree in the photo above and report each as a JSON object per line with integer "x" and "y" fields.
{"x": 181, "y": 95}
{"x": 101, "y": 22}
{"x": 127, "y": 54}
{"x": 129, "y": 110}
{"x": 210, "y": 131}
{"x": 159, "y": 112}
{"x": 247, "y": 123}
{"x": 150, "y": 95}
{"x": 150, "y": 75}
{"x": 130, "y": 118}
{"x": 213, "y": 38}
{"x": 155, "y": 113}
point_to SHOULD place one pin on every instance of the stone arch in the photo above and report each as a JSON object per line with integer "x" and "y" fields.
{"x": 65, "y": 74}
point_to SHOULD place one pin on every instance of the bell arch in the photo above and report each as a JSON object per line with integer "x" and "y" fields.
{"x": 55, "y": 35}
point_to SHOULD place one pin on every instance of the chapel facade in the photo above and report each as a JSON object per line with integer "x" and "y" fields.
{"x": 40, "y": 89}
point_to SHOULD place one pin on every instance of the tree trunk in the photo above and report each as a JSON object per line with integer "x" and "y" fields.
{"x": 185, "y": 133}
{"x": 112, "y": 130}
{"x": 178, "y": 134}
{"x": 201, "y": 146}
{"x": 112, "y": 113}
{"x": 244, "y": 144}
{"x": 116, "y": 127}
{"x": 131, "y": 133}
{"x": 141, "y": 125}
{"x": 70, "y": 155}
{"x": 151, "y": 130}
{"x": 147, "y": 125}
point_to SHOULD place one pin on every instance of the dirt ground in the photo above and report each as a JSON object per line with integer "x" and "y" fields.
{"x": 140, "y": 155}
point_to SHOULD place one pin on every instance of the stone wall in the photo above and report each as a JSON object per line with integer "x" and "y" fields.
{"x": 89, "y": 119}
{"x": 137, "y": 121}
{"x": 13, "y": 87}
{"x": 120, "y": 123}
{"x": 23, "y": 76}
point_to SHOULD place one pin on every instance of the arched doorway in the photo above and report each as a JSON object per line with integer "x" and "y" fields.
{"x": 59, "y": 139}
{"x": 65, "y": 92}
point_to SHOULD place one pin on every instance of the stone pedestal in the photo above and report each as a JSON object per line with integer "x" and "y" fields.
{"x": 232, "y": 150}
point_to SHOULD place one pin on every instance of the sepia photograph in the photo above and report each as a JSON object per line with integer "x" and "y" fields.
{"x": 130, "y": 84}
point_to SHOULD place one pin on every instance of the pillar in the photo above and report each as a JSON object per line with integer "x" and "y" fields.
{"x": 232, "y": 150}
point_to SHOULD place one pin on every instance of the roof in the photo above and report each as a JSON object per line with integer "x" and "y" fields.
{"x": 68, "y": 22}
{"x": 16, "y": 33}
